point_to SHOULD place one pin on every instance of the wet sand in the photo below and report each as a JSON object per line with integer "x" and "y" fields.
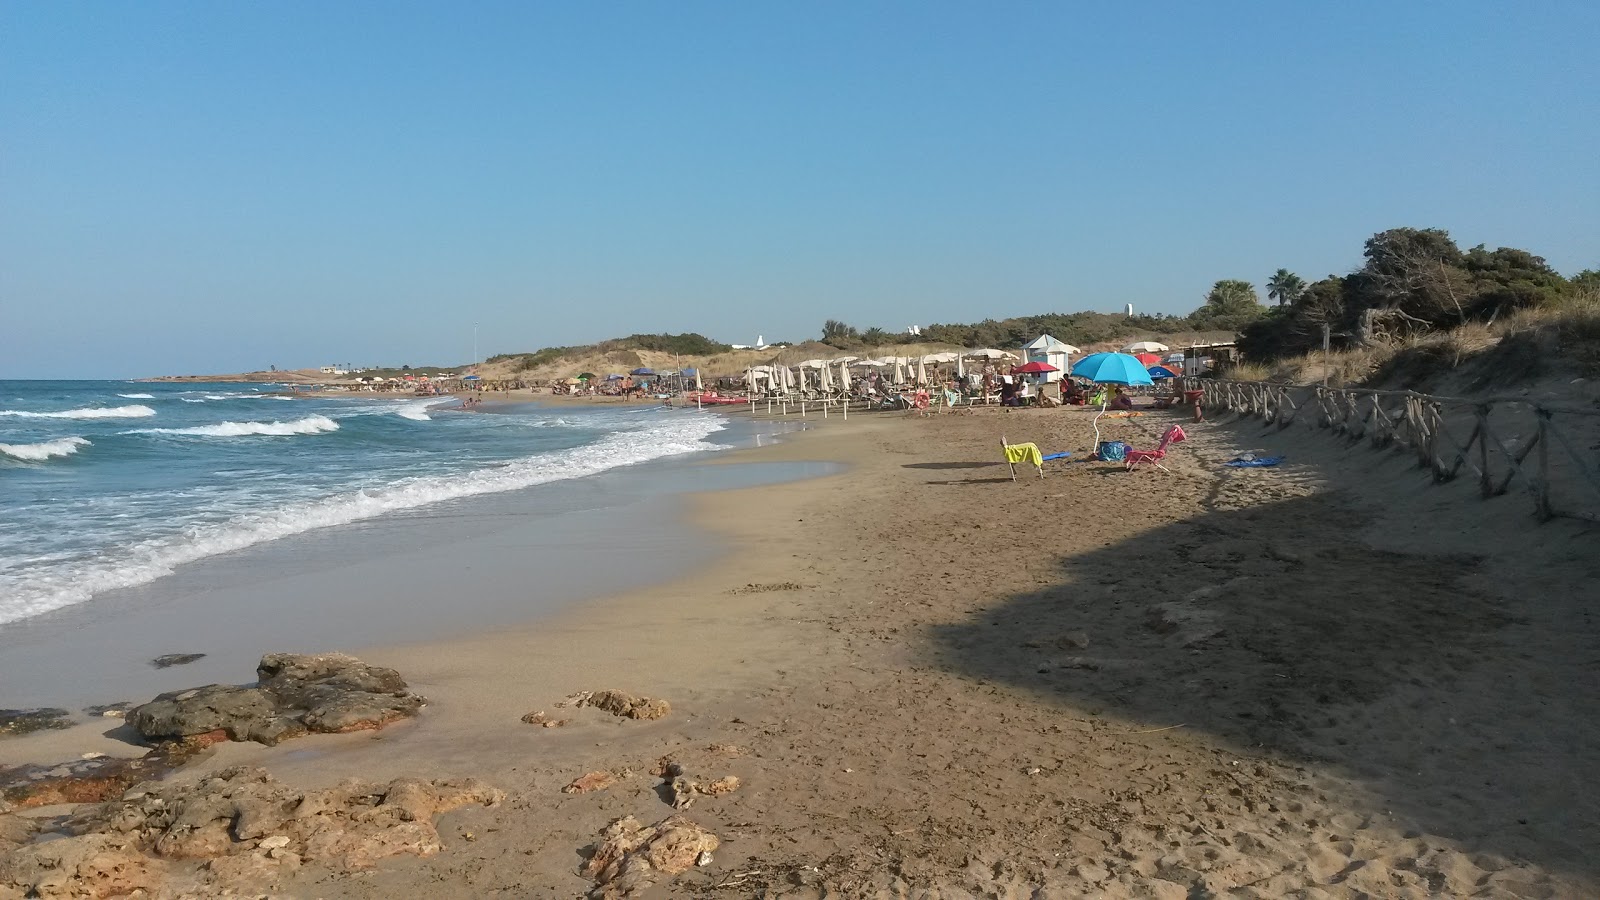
{"x": 1325, "y": 679}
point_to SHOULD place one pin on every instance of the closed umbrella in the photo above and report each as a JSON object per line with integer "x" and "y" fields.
{"x": 825, "y": 381}
{"x": 699, "y": 384}
{"x": 899, "y": 373}
{"x": 922, "y": 373}
{"x": 844, "y": 377}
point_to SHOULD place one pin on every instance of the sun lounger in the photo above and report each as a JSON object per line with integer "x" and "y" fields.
{"x": 1154, "y": 457}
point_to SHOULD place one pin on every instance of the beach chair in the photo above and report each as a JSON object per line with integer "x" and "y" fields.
{"x": 1173, "y": 435}
{"x": 1021, "y": 453}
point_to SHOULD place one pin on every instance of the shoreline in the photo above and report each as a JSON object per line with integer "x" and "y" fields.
{"x": 915, "y": 673}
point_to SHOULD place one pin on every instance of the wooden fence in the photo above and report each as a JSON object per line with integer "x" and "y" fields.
{"x": 1550, "y": 453}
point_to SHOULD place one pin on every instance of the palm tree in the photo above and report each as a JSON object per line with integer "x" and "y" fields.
{"x": 1285, "y": 287}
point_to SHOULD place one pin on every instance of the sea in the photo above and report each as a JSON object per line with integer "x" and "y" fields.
{"x": 112, "y": 484}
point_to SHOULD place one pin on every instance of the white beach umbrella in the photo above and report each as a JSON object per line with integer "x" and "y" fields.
{"x": 844, "y": 377}
{"x": 899, "y": 372}
{"x": 988, "y": 353}
{"x": 961, "y": 369}
{"x": 825, "y": 383}
{"x": 1145, "y": 347}
{"x": 922, "y": 373}
{"x": 699, "y": 384}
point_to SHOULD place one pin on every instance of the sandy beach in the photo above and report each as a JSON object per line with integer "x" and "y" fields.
{"x": 1325, "y": 679}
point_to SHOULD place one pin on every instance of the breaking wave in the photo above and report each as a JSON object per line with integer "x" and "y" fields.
{"x": 147, "y": 560}
{"x": 138, "y": 396}
{"x": 44, "y": 449}
{"x": 134, "y": 411}
{"x": 308, "y": 425}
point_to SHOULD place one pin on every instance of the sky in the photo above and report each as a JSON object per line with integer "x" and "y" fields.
{"x": 218, "y": 187}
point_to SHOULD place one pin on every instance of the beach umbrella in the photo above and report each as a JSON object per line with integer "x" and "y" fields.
{"x": 613, "y": 377}
{"x": 990, "y": 353}
{"x": 698, "y": 384}
{"x": 899, "y": 373}
{"x": 825, "y": 383}
{"x": 585, "y": 376}
{"x": 844, "y": 377}
{"x": 1035, "y": 368}
{"x": 468, "y": 378}
{"x": 1161, "y": 372}
{"x": 961, "y": 369}
{"x": 1111, "y": 368}
{"x": 1145, "y": 347}
{"x": 1147, "y": 359}
{"x": 922, "y": 373}
{"x": 642, "y": 371}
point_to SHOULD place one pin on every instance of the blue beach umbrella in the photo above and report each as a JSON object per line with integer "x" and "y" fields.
{"x": 472, "y": 378}
{"x": 1161, "y": 372}
{"x": 642, "y": 371}
{"x": 1112, "y": 368}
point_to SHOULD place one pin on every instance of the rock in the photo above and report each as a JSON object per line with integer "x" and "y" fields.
{"x": 296, "y": 694}
{"x": 631, "y": 857}
{"x": 539, "y": 718}
{"x": 594, "y": 781}
{"x": 87, "y": 866}
{"x": 16, "y": 830}
{"x": 619, "y": 703}
{"x": 24, "y": 721}
{"x": 116, "y": 710}
{"x": 251, "y": 828}
{"x": 684, "y": 790}
{"x": 176, "y": 659}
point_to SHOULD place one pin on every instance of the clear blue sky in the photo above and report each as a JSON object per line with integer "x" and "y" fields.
{"x": 193, "y": 187}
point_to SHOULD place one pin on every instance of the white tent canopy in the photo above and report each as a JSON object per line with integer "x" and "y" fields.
{"x": 1145, "y": 347}
{"x": 1047, "y": 344}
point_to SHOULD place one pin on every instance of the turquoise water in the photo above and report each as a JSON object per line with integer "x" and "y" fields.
{"x": 110, "y": 484}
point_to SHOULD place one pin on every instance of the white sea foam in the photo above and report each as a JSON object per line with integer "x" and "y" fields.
{"x": 44, "y": 449}
{"x": 89, "y": 412}
{"x": 151, "y": 559}
{"x": 138, "y": 396}
{"x": 417, "y": 411}
{"x": 308, "y": 425}
{"x": 192, "y": 399}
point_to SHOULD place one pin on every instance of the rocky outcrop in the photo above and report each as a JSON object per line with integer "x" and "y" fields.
{"x": 294, "y": 695}
{"x": 22, "y": 721}
{"x": 631, "y": 857}
{"x": 248, "y": 828}
{"x": 620, "y": 703}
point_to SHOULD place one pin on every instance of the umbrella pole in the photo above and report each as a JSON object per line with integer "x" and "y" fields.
{"x": 1097, "y": 427}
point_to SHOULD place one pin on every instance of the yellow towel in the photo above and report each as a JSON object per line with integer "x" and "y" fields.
{"x": 1024, "y": 453}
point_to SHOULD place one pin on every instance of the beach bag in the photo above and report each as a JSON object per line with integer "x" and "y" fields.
{"x": 1111, "y": 451}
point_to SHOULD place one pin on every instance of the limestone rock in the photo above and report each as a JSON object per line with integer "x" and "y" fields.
{"x": 176, "y": 659}
{"x": 23, "y": 721}
{"x": 295, "y": 694}
{"x": 630, "y": 857}
{"x": 621, "y": 703}
{"x": 594, "y": 781}
{"x": 86, "y": 866}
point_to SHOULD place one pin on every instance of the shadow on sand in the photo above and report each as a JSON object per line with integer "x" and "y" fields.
{"x": 1275, "y": 629}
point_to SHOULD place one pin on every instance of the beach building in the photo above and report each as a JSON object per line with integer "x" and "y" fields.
{"x": 1050, "y": 351}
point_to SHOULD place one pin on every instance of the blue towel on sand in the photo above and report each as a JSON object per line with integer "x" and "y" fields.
{"x": 1062, "y": 455}
{"x": 1259, "y": 462}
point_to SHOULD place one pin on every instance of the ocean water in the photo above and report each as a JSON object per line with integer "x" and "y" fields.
{"x": 110, "y": 484}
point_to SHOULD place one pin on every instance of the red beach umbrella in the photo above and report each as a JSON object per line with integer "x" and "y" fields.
{"x": 1035, "y": 368}
{"x": 1148, "y": 359}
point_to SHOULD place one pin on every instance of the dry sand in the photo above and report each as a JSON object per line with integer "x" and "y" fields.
{"x": 1327, "y": 679}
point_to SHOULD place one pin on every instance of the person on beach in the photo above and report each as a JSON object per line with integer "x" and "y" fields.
{"x": 1120, "y": 400}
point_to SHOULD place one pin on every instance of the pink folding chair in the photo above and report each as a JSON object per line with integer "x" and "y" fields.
{"x": 1154, "y": 457}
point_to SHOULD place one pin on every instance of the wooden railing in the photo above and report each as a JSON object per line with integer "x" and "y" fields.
{"x": 1544, "y": 450}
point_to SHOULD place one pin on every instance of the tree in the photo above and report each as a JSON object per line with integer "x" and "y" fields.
{"x": 834, "y": 330}
{"x": 1230, "y": 305}
{"x": 1413, "y": 279}
{"x": 1285, "y": 287}
{"x": 874, "y": 337}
